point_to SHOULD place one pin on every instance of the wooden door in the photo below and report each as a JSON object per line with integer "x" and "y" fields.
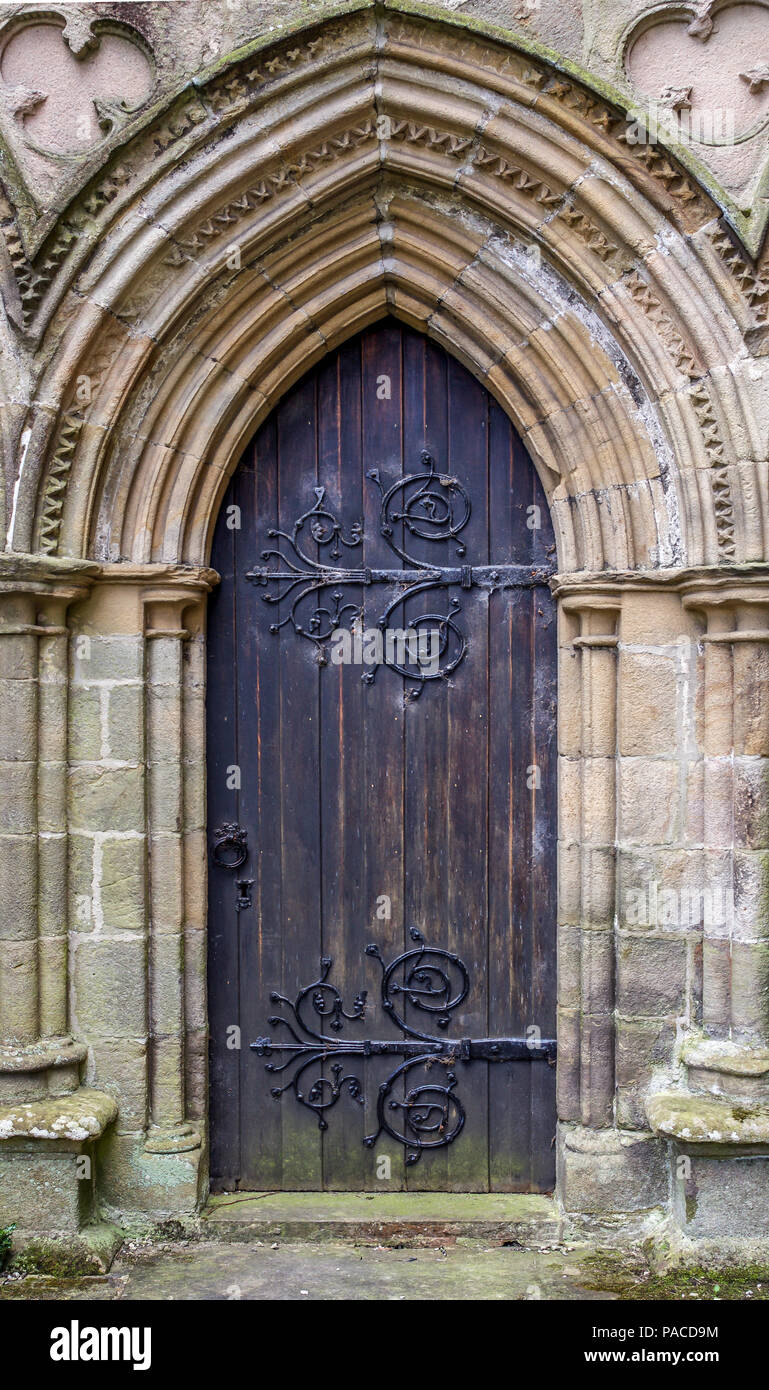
{"x": 384, "y": 941}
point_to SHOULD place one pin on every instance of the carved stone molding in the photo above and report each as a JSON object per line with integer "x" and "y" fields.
{"x": 273, "y": 183}
{"x": 714, "y": 447}
{"x": 555, "y": 190}
{"x": 195, "y": 116}
{"x": 682, "y": 355}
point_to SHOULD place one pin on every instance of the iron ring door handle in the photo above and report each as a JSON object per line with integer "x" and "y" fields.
{"x": 230, "y": 849}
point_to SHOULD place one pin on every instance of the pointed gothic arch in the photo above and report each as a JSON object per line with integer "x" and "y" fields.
{"x": 452, "y": 180}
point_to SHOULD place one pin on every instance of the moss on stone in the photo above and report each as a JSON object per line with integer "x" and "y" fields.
{"x": 49, "y": 1257}
{"x": 631, "y": 1278}
{"x": 6, "y": 1244}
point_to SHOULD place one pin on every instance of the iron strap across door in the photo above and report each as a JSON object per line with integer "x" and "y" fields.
{"x": 432, "y": 507}
{"x": 429, "y": 1115}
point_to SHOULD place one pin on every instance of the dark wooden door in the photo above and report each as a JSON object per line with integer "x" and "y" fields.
{"x": 401, "y": 807}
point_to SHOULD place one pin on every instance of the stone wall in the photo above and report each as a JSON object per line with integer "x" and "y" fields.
{"x": 663, "y": 960}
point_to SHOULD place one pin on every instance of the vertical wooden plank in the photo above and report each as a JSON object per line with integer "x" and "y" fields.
{"x": 522, "y": 1098}
{"x": 425, "y": 425}
{"x": 383, "y": 829}
{"x": 543, "y": 913}
{"x": 223, "y": 954}
{"x": 343, "y": 710}
{"x": 299, "y": 796}
{"x": 261, "y": 945}
{"x": 509, "y": 835}
{"x": 466, "y": 700}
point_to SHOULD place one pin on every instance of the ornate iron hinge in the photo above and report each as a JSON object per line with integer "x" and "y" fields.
{"x": 434, "y": 508}
{"x": 428, "y": 1115}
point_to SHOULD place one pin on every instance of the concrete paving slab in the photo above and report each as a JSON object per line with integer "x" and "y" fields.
{"x": 329, "y": 1271}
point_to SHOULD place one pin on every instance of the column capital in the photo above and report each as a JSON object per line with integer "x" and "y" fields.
{"x": 31, "y": 569}
{"x": 598, "y": 615}
{"x": 734, "y": 612}
{"x": 168, "y": 598}
{"x": 164, "y": 609}
{"x": 36, "y": 591}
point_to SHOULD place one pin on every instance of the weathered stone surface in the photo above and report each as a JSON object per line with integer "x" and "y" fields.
{"x": 79, "y": 1117}
{"x": 727, "y": 1068}
{"x": 108, "y": 657}
{"x": 602, "y": 1171}
{"x": 648, "y": 704}
{"x": 106, "y": 799}
{"x": 18, "y": 732}
{"x": 109, "y": 979}
{"x": 42, "y": 1191}
{"x": 18, "y": 884}
{"x": 724, "y": 1198}
{"x": 89, "y": 1251}
{"x": 651, "y": 976}
{"x": 697, "y": 1119}
{"x": 649, "y": 812}
{"x": 17, "y": 814}
{"x": 122, "y": 874}
{"x": 120, "y": 1069}
{"x": 134, "y": 1181}
{"x": 643, "y": 1046}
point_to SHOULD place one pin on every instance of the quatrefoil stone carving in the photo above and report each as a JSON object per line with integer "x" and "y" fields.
{"x": 69, "y": 85}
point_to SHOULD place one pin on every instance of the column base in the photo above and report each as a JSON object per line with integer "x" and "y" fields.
{"x": 50, "y": 1067}
{"x": 172, "y": 1139}
{"x": 139, "y": 1183}
{"x": 606, "y": 1173}
{"x": 48, "y": 1182}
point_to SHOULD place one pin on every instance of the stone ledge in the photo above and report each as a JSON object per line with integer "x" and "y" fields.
{"x": 735, "y": 1059}
{"x": 698, "y": 1119}
{"x": 82, "y": 1116}
{"x": 18, "y": 566}
{"x": 732, "y": 1069}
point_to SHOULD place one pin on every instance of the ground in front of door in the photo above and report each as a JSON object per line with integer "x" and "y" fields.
{"x": 338, "y": 1271}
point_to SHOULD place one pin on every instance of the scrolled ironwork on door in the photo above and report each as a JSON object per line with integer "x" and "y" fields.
{"x": 430, "y": 507}
{"x": 429, "y": 1113}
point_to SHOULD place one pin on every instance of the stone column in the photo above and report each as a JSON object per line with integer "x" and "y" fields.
{"x": 718, "y": 1122}
{"x": 736, "y": 752}
{"x": 603, "y": 1165}
{"x": 588, "y": 741}
{"x": 164, "y": 609}
{"x": 37, "y": 1058}
{"x": 50, "y": 1123}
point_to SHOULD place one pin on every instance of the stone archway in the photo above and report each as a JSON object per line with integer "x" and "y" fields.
{"x": 514, "y": 216}
{"x": 386, "y": 162}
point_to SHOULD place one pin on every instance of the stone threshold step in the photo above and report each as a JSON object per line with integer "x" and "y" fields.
{"x": 404, "y": 1218}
